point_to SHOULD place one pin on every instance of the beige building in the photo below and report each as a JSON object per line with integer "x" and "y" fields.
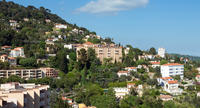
{"x": 30, "y": 73}
{"x": 104, "y": 51}
{"x": 16, "y": 95}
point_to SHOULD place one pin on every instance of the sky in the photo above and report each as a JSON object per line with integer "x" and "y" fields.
{"x": 171, "y": 24}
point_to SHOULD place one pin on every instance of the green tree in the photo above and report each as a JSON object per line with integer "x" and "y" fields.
{"x": 152, "y": 51}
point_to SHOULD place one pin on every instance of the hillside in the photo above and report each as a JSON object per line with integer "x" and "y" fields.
{"x": 193, "y": 58}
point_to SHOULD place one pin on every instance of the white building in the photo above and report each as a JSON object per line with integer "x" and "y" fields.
{"x": 131, "y": 69}
{"x": 68, "y": 46}
{"x": 121, "y": 73}
{"x": 60, "y": 26}
{"x": 17, "y": 52}
{"x": 172, "y": 87}
{"x": 172, "y": 69}
{"x": 121, "y": 92}
{"x": 197, "y": 78}
{"x": 161, "y": 52}
{"x": 166, "y": 97}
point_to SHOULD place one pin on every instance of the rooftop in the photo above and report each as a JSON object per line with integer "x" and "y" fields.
{"x": 123, "y": 71}
{"x": 172, "y": 64}
{"x": 173, "y": 82}
{"x": 166, "y": 78}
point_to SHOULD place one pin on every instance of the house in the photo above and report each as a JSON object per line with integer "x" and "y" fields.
{"x": 131, "y": 69}
{"x": 16, "y": 95}
{"x": 17, "y": 52}
{"x": 166, "y": 97}
{"x": 4, "y": 58}
{"x": 130, "y": 86}
{"x": 60, "y": 26}
{"x": 126, "y": 50}
{"x": 26, "y": 19}
{"x": 198, "y": 69}
{"x": 6, "y": 47}
{"x": 49, "y": 72}
{"x": 13, "y": 23}
{"x": 121, "y": 92}
{"x": 197, "y": 78}
{"x": 121, "y": 73}
{"x": 155, "y": 64}
{"x": 161, "y": 52}
{"x": 162, "y": 81}
{"x": 172, "y": 69}
{"x": 172, "y": 87}
{"x": 69, "y": 46}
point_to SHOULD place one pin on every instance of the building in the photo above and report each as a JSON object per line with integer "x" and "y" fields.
{"x": 6, "y": 47}
{"x": 131, "y": 69}
{"x": 197, "y": 78}
{"x": 155, "y": 64}
{"x": 16, "y": 95}
{"x": 4, "y": 58}
{"x": 13, "y": 23}
{"x": 172, "y": 87}
{"x": 23, "y": 73}
{"x": 121, "y": 92}
{"x": 69, "y": 46}
{"x": 111, "y": 51}
{"x": 17, "y": 52}
{"x": 161, "y": 52}
{"x": 49, "y": 72}
{"x": 172, "y": 69}
{"x": 166, "y": 97}
{"x": 123, "y": 73}
{"x": 162, "y": 81}
{"x": 60, "y": 26}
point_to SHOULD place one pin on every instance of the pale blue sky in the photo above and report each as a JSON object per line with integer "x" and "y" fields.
{"x": 172, "y": 24}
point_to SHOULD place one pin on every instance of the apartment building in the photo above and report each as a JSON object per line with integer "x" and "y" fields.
{"x": 161, "y": 52}
{"x": 17, "y": 52}
{"x": 104, "y": 51}
{"x": 49, "y": 72}
{"x": 16, "y": 95}
{"x": 172, "y": 69}
{"x": 30, "y": 73}
{"x": 23, "y": 73}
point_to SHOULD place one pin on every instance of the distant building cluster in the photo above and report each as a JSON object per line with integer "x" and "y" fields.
{"x": 16, "y": 95}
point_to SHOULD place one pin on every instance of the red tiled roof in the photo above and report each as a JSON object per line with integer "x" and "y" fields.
{"x": 6, "y": 46}
{"x": 88, "y": 43}
{"x": 198, "y": 76}
{"x": 173, "y": 82}
{"x": 155, "y": 63}
{"x": 123, "y": 71}
{"x": 172, "y": 64}
{"x": 131, "y": 84}
{"x": 11, "y": 58}
{"x": 4, "y": 55}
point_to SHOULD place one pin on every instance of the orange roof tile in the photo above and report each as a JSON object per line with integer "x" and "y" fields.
{"x": 6, "y": 46}
{"x": 11, "y": 58}
{"x": 172, "y": 64}
{"x": 131, "y": 84}
{"x": 173, "y": 82}
{"x": 154, "y": 63}
{"x": 88, "y": 43}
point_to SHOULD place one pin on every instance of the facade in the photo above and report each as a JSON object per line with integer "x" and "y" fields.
{"x": 112, "y": 51}
{"x": 23, "y": 73}
{"x": 172, "y": 69}
{"x": 161, "y": 52}
{"x": 17, "y": 52}
{"x": 11, "y": 60}
{"x": 6, "y": 47}
{"x": 50, "y": 72}
{"x": 123, "y": 73}
{"x": 16, "y": 95}
{"x": 4, "y": 58}
{"x": 13, "y": 23}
